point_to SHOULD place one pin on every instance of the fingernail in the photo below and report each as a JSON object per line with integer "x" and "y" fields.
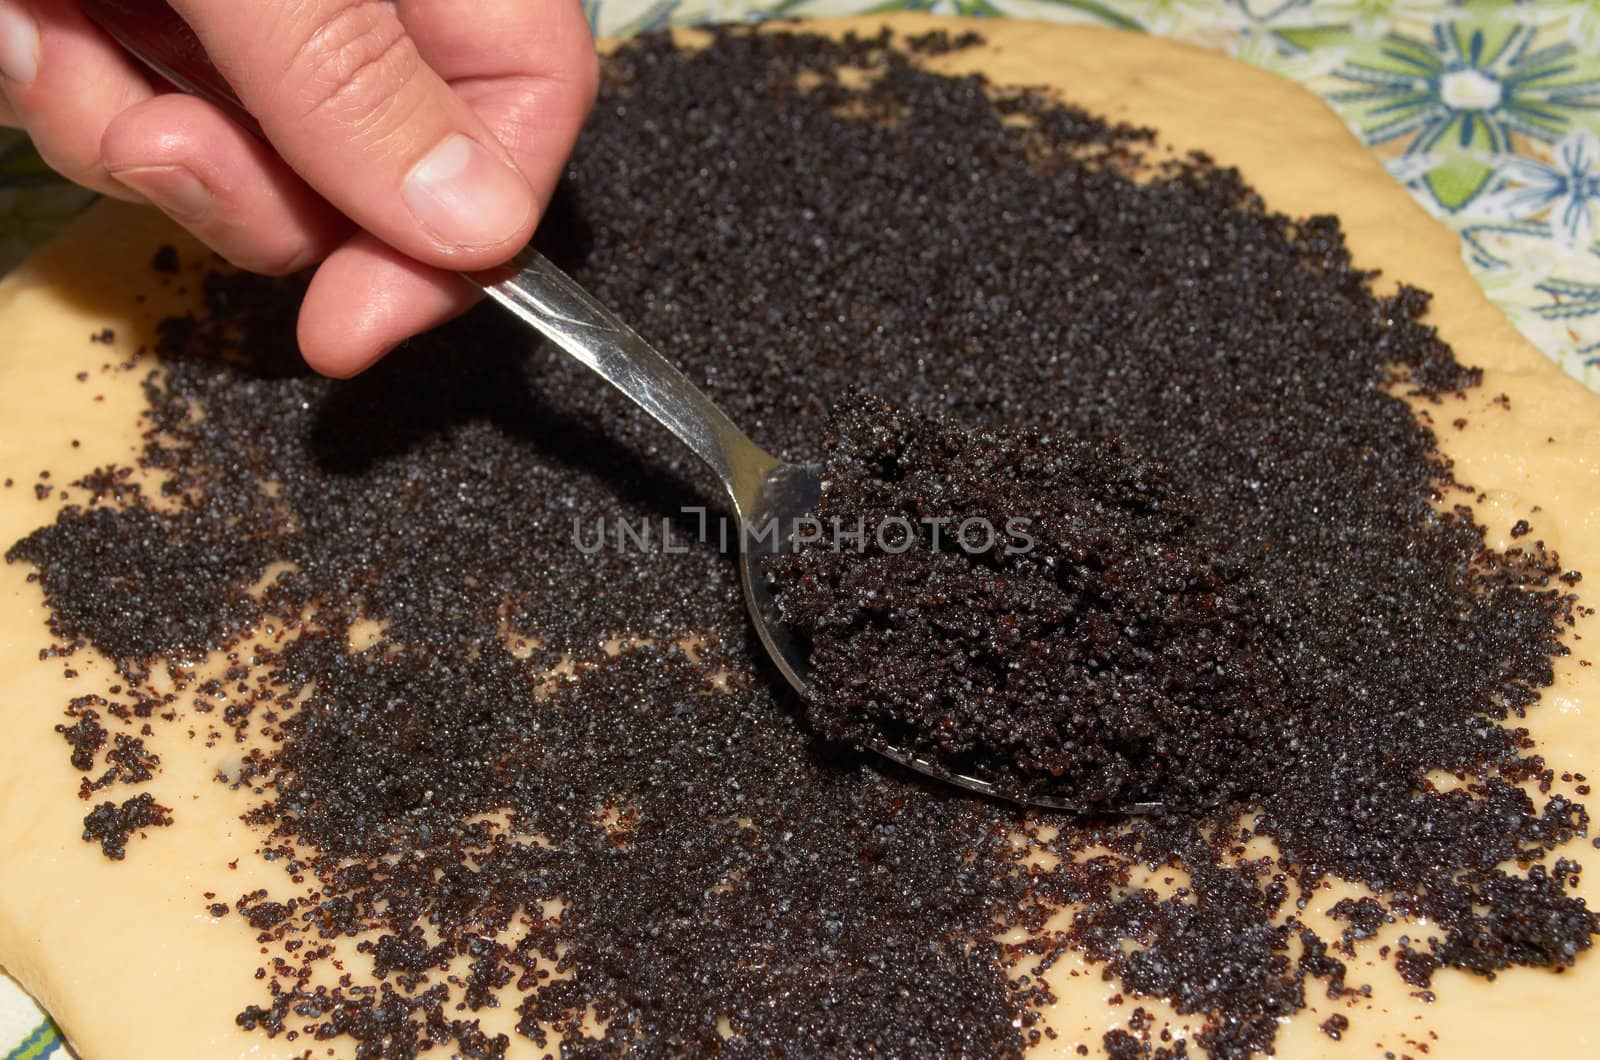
{"x": 19, "y": 45}
{"x": 175, "y": 189}
{"x": 466, "y": 196}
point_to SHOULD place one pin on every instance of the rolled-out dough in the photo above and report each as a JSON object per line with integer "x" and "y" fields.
{"x": 126, "y": 957}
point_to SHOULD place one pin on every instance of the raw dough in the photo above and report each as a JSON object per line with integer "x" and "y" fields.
{"x": 125, "y": 956}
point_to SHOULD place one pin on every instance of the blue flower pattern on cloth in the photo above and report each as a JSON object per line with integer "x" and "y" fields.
{"x": 1487, "y": 110}
{"x": 1469, "y": 92}
{"x": 1566, "y": 189}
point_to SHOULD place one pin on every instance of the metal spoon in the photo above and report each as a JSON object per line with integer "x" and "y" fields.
{"x": 769, "y": 497}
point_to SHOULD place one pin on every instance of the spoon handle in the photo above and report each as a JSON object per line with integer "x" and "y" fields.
{"x": 557, "y": 306}
{"x": 530, "y": 285}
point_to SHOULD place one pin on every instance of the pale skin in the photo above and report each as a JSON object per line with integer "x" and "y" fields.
{"x": 409, "y": 140}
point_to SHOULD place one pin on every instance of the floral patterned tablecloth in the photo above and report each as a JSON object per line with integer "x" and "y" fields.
{"x": 1487, "y": 110}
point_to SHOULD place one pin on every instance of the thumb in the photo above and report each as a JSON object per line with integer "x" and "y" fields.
{"x": 343, "y": 94}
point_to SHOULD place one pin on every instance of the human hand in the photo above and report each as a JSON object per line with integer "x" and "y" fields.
{"x": 409, "y": 141}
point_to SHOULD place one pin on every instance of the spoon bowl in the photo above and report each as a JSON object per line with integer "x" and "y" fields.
{"x": 785, "y": 496}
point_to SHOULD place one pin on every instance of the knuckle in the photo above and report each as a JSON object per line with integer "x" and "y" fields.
{"x": 75, "y": 158}
{"x": 350, "y": 67}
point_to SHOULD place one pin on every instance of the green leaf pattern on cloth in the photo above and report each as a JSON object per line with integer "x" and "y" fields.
{"x": 1488, "y": 111}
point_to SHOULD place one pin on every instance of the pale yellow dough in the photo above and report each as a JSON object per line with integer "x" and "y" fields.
{"x": 124, "y": 954}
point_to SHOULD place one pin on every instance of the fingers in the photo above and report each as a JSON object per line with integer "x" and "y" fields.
{"x": 221, "y": 183}
{"x": 344, "y": 94}
{"x": 528, "y": 68}
{"x": 366, "y": 299}
{"x": 65, "y": 82}
{"x": 94, "y": 118}
{"x": 440, "y": 126}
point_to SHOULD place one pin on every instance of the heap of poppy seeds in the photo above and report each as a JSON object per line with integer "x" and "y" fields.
{"x": 112, "y": 825}
{"x": 1040, "y": 611}
{"x": 648, "y": 850}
